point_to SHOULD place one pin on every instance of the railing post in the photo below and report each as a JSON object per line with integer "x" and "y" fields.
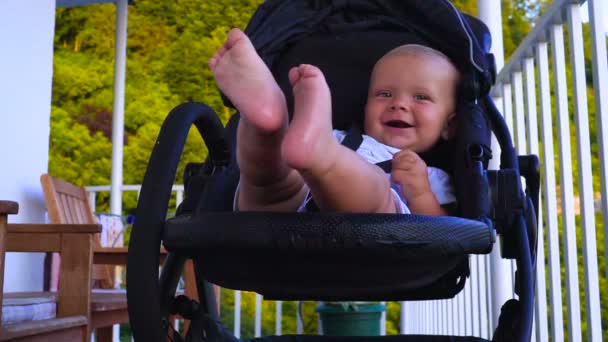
{"x": 237, "y": 313}
{"x": 585, "y": 179}
{"x": 278, "y": 317}
{"x": 120, "y": 57}
{"x": 490, "y": 12}
{"x": 566, "y": 184}
{"x": 258, "y": 315}
{"x": 549, "y": 194}
{"x": 600, "y": 86}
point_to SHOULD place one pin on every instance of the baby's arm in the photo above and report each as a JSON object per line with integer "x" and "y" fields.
{"x": 409, "y": 171}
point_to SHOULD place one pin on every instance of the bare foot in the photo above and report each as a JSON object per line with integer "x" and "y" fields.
{"x": 309, "y": 143}
{"x": 244, "y": 78}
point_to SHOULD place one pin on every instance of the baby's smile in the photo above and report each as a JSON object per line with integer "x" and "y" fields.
{"x": 398, "y": 124}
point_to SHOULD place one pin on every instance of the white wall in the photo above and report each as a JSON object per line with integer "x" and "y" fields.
{"x": 26, "y": 71}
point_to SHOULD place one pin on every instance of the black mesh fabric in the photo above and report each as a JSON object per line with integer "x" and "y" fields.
{"x": 324, "y": 256}
{"x": 403, "y": 338}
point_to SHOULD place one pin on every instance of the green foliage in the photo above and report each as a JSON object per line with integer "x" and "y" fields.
{"x": 77, "y": 153}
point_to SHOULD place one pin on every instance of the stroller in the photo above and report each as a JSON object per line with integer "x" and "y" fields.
{"x": 336, "y": 256}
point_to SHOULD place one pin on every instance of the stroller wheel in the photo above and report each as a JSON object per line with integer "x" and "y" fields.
{"x": 148, "y": 305}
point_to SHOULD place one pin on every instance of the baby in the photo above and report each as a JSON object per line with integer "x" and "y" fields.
{"x": 410, "y": 105}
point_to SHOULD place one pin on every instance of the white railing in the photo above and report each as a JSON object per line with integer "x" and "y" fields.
{"x": 518, "y": 78}
{"x": 93, "y": 190}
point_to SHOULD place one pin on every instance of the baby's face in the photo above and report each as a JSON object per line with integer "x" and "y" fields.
{"x": 410, "y": 101}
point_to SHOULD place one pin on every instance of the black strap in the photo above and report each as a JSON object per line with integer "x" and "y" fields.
{"x": 386, "y": 165}
{"x": 353, "y": 138}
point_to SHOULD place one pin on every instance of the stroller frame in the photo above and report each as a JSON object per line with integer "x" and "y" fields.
{"x": 505, "y": 208}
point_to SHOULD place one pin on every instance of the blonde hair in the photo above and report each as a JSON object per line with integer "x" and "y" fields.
{"x": 414, "y": 49}
{"x": 417, "y": 49}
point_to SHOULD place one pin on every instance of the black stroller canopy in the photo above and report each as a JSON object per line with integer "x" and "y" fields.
{"x": 466, "y": 40}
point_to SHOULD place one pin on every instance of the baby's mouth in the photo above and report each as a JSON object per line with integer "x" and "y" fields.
{"x": 398, "y": 124}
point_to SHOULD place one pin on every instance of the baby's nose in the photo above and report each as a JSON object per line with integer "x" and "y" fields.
{"x": 399, "y": 105}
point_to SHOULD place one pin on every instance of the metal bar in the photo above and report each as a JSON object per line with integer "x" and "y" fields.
{"x": 507, "y": 111}
{"x": 540, "y": 326}
{"x": 566, "y": 184}
{"x": 482, "y": 281}
{"x": 490, "y": 295}
{"x": 237, "y": 313}
{"x": 179, "y": 198}
{"x": 490, "y": 14}
{"x": 278, "y": 326}
{"x": 440, "y": 317}
{"x": 530, "y": 90}
{"x": 258, "y": 315}
{"x": 468, "y": 314}
{"x": 600, "y": 88}
{"x": 425, "y": 318}
{"x": 402, "y": 316}
{"x": 446, "y": 317}
{"x": 520, "y": 129}
{"x": 126, "y": 188}
{"x": 299, "y": 325}
{"x": 454, "y": 317}
{"x": 383, "y": 320}
{"x": 434, "y": 313}
{"x": 92, "y": 200}
{"x": 474, "y": 284}
{"x": 585, "y": 177}
{"x": 422, "y": 317}
{"x": 549, "y": 194}
{"x": 461, "y": 314}
{"x": 118, "y": 116}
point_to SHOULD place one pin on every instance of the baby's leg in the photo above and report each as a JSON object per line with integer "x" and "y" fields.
{"x": 266, "y": 182}
{"x": 339, "y": 179}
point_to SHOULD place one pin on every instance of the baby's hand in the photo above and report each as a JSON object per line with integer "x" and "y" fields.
{"x": 409, "y": 171}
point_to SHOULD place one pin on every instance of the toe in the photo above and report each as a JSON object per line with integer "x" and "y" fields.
{"x": 234, "y": 36}
{"x": 294, "y": 75}
{"x": 307, "y": 70}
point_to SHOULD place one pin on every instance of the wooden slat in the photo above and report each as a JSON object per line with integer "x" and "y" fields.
{"x": 76, "y": 259}
{"x": 9, "y": 207}
{"x": 33, "y": 242}
{"x": 64, "y": 187}
{"x": 64, "y": 207}
{"x": 104, "y": 333}
{"x": 51, "y": 198}
{"x": 68, "y": 329}
{"x": 49, "y": 228}
{"x": 80, "y": 211}
{"x": 3, "y": 244}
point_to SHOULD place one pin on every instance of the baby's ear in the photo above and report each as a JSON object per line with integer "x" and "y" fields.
{"x": 449, "y": 128}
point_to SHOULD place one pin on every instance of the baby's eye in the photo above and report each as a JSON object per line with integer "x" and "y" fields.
{"x": 421, "y": 97}
{"x": 383, "y": 93}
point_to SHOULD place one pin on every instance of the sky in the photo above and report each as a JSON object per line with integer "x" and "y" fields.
{"x": 585, "y": 14}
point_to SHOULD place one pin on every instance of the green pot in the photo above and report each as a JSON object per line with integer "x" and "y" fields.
{"x": 350, "y": 318}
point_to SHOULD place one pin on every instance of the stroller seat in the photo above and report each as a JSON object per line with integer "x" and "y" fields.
{"x": 335, "y": 256}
